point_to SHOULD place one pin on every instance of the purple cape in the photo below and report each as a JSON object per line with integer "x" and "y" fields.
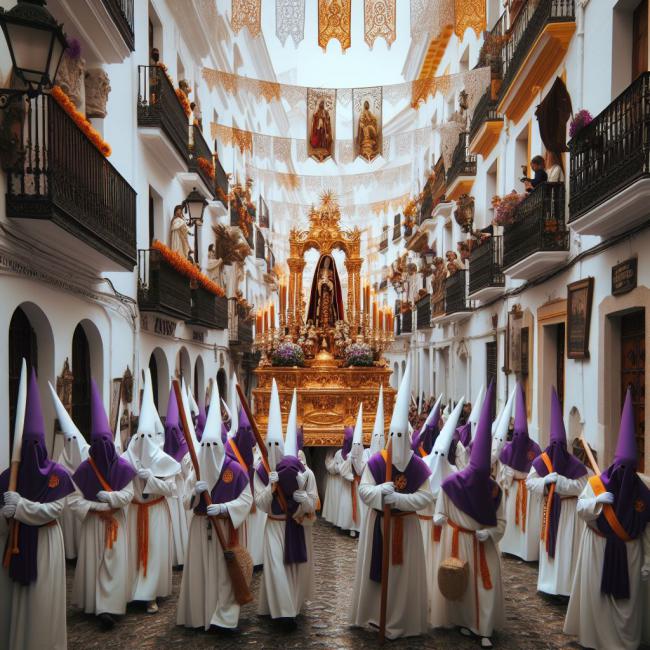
{"x": 295, "y": 548}
{"x": 348, "y": 435}
{"x": 475, "y": 493}
{"x": 425, "y": 439}
{"x": 222, "y": 491}
{"x": 175, "y": 443}
{"x": 416, "y": 473}
{"x": 520, "y": 452}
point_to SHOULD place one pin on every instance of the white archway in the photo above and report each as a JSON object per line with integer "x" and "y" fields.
{"x": 161, "y": 380}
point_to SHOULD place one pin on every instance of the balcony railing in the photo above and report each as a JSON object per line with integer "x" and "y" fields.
{"x": 240, "y": 328}
{"x": 161, "y": 288}
{"x": 158, "y": 106}
{"x": 260, "y": 245}
{"x": 423, "y": 311}
{"x": 613, "y": 151}
{"x": 528, "y": 25}
{"x": 199, "y": 150}
{"x": 463, "y": 163}
{"x": 486, "y": 265}
{"x": 397, "y": 231}
{"x": 434, "y": 191}
{"x": 539, "y": 225}
{"x": 121, "y": 11}
{"x": 456, "y": 286}
{"x": 485, "y": 111}
{"x": 58, "y": 175}
{"x": 209, "y": 310}
{"x": 221, "y": 182}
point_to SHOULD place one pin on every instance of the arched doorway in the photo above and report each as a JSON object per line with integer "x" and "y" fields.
{"x": 81, "y": 381}
{"x": 153, "y": 369}
{"x": 199, "y": 381}
{"x": 159, "y": 379}
{"x": 222, "y": 383}
{"x": 184, "y": 366}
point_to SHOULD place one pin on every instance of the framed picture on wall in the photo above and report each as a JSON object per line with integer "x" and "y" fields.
{"x": 512, "y": 356}
{"x": 579, "y": 298}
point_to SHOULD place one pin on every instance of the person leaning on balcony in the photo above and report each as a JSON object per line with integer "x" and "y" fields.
{"x": 553, "y": 167}
{"x": 540, "y": 176}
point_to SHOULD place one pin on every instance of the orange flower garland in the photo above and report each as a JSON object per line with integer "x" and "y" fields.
{"x": 206, "y": 167}
{"x": 185, "y": 102}
{"x": 186, "y": 268}
{"x": 80, "y": 120}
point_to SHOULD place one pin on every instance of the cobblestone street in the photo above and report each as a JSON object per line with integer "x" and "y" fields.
{"x": 532, "y": 621}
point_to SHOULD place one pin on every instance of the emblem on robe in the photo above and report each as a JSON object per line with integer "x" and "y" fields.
{"x": 228, "y": 476}
{"x": 53, "y": 482}
{"x": 400, "y": 482}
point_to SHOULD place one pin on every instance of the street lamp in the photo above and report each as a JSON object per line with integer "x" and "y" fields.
{"x": 36, "y": 43}
{"x": 194, "y": 206}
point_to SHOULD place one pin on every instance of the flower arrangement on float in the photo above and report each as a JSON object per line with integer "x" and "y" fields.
{"x": 185, "y": 268}
{"x": 288, "y": 354}
{"x": 359, "y": 355}
{"x": 505, "y": 208}
{"x": 59, "y": 96}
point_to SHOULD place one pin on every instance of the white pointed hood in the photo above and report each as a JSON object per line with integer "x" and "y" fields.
{"x": 446, "y": 411}
{"x": 274, "y": 440}
{"x": 75, "y": 448}
{"x": 500, "y": 436}
{"x": 21, "y": 410}
{"x": 429, "y": 421}
{"x": 476, "y": 409}
{"x": 194, "y": 407}
{"x": 398, "y": 433}
{"x": 357, "y": 442}
{"x": 438, "y": 460}
{"x": 211, "y": 450}
{"x": 291, "y": 436}
{"x": 378, "y": 440}
{"x": 233, "y": 408}
{"x": 159, "y": 428}
{"x": 117, "y": 435}
{"x": 143, "y": 451}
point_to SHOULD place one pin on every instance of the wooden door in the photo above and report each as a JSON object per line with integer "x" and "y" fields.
{"x": 640, "y": 39}
{"x": 81, "y": 381}
{"x": 633, "y": 372}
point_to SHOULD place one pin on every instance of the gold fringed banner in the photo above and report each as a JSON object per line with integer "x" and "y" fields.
{"x": 298, "y": 211}
{"x": 422, "y": 89}
{"x": 230, "y": 136}
{"x": 334, "y": 19}
{"x": 469, "y": 14}
{"x": 246, "y": 13}
{"x": 379, "y": 21}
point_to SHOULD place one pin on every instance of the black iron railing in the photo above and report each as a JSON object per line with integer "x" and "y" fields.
{"x": 486, "y": 265}
{"x": 533, "y": 16}
{"x": 485, "y": 111}
{"x": 240, "y": 328}
{"x": 209, "y": 310}
{"x": 161, "y": 288}
{"x": 158, "y": 106}
{"x": 463, "y": 163}
{"x": 492, "y": 50}
{"x": 221, "y": 182}
{"x": 121, "y": 11}
{"x": 613, "y": 151}
{"x": 434, "y": 191}
{"x": 539, "y": 225}
{"x": 57, "y": 174}
{"x": 456, "y": 287}
{"x": 200, "y": 158}
{"x": 423, "y": 312}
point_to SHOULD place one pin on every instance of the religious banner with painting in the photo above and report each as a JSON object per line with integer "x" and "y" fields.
{"x": 321, "y": 121}
{"x": 367, "y": 121}
{"x": 513, "y": 356}
{"x": 579, "y": 297}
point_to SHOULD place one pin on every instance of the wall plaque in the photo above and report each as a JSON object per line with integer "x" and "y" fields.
{"x": 624, "y": 277}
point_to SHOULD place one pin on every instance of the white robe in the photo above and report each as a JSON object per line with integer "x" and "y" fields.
{"x": 33, "y": 617}
{"x": 345, "y": 520}
{"x": 158, "y": 581}
{"x": 101, "y": 579}
{"x": 517, "y": 541}
{"x": 600, "y": 621}
{"x": 463, "y": 613}
{"x": 407, "y": 584}
{"x": 255, "y": 524}
{"x": 556, "y": 574}
{"x": 285, "y": 587}
{"x": 70, "y": 524}
{"x": 179, "y": 519}
{"x": 206, "y": 596}
{"x": 333, "y": 489}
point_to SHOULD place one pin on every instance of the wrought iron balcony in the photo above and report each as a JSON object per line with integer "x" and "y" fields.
{"x": 462, "y": 171}
{"x": 423, "y": 312}
{"x": 610, "y": 165}
{"x": 159, "y": 107}
{"x": 456, "y": 287}
{"x": 383, "y": 242}
{"x": 397, "y": 231}
{"x": 161, "y": 288}
{"x": 486, "y": 125}
{"x": 260, "y": 245}
{"x": 221, "y": 182}
{"x": 486, "y": 269}
{"x": 64, "y": 190}
{"x": 538, "y": 239}
{"x": 240, "y": 327}
{"x": 209, "y": 310}
{"x": 200, "y": 158}
{"x": 121, "y": 11}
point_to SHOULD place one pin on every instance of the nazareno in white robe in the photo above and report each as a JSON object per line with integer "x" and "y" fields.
{"x": 346, "y": 506}
{"x": 524, "y": 543}
{"x": 285, "y": 587}
{"x": 206, "y": 596}
{"x": 556, "y": 574}
{"x": 102, "y": 582}
{"x": 600, "y": 621}
{"x": 70, "y": 524}
{"x": 445, "y": 613}
{"x": 406, "y": 614}
{"x": 332, "y": 490}
{"x": 33, "y": 617}
{"x": 179, "y": 519}
{"x": 252, "y": 532}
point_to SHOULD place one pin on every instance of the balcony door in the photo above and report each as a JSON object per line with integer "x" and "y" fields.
{"x": 81, "y": 382}
{"x": 640, "y": 39}
{"x": 491, "y": 367}
{"x": 153, "y": 369}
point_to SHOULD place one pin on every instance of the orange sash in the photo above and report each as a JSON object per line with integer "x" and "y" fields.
{"x": 110, "y": 523}
{"x": 546, "y": 527}
{"x": 143, "y": 531}
{"x": 521, "y": 504}
{"x": 598, "y": 487}
{"x": 423, "y": 453}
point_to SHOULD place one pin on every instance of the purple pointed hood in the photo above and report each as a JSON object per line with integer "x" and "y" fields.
{"x": 116, "y": 471}
{"x": 244, "y": 439}
{"x": 427, "y": 435}
{"x": 625, "y": 453}
{"x": 464, "y": 434}
{"x": 175, "y": 443}
{"x": 200, "y": 421}
{"x": 348, "y": 434}
{"x": 521, "y": 451}
{"x": 472, "y": 490}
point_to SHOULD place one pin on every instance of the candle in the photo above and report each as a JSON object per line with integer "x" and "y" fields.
{"x": 258, "y": 323}
{"x": 272, "y": 318}
{"x": 283, "y": 298}
{"x": 367, "y": 298}
{"x": 266, "y": 321}
{"x": 375, "y": 322}
{"x": 381, "y": 320}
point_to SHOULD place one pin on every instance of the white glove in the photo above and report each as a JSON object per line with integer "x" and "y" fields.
{"x": 273, "y": 477}
{"x": 201, "y": 487}
{"x": 99, "y": 507}
{"x": 391, "y": 498}
{"x": 8, "y": 510}
{"x": 439, "y": 519}
{"x": 387, "y": 488}
{"x": 300, "y": 496}
{"x": 645, "y": 572}
{"x": 605, "y": 497}
{"x": 301, "y": 478}
{"x": 11, "y": 498}
{"x": 482, "y": 535}
{"x": 103, "y": 496}
{"x": 216, "y": 509}
{"x": 550, "y": 478}
{"x": 145, "y": 474}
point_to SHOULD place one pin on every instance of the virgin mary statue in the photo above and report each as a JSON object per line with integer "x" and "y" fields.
{"x": 325, "y": 301}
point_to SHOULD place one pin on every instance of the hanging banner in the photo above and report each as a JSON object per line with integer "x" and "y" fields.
{"x": 321, "y": 121}
{"x": 367, "y": 122}
{"x": 246, "y": 13}
{"x": 379, "y": 21}
{"x": 334, "y": 18}
{"x": 290, "y": 20}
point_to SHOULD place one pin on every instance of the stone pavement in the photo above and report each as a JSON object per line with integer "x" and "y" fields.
{"x": 532, "y": 620}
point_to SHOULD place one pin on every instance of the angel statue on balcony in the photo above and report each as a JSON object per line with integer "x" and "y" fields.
{"x": 179, "y": 234}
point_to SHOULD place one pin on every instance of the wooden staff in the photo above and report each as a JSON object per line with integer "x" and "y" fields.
{"x": 260, "y": 443}
{"x": 235, "y": 571}
{"x": 385, "y": 551}
{"x": 590, "y": 456}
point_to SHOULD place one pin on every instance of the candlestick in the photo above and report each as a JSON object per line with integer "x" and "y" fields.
{"x": 272, "y": 317}
{"x": 375, "y": 322}
{"x": 258, "y": 324}
{"x": 266, "y": 321}
{"x": 381, "y": 320}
